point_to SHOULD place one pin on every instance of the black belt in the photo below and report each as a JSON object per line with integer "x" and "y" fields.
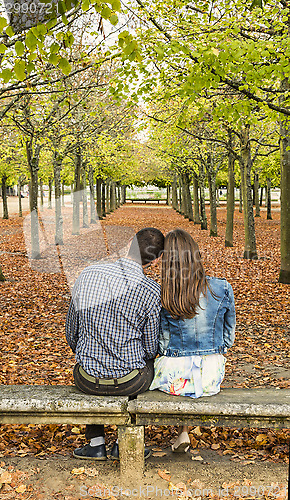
{"x": 108, "y": 381}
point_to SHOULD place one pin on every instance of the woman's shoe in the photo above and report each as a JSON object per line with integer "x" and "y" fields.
{"x": 181, "y": 444}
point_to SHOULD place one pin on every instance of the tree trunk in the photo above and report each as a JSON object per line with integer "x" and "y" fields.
{"x": 2, "y": 277}
{"x": 99, "y": 197}
{"x": 123, "y": 194}
{"x": 41, "y": 194}
{"x": 4, "y": 197}
{"x": 230, "y": 202}
{"x": 103, "y": 199}
{"x": 62, "y": 194}
{"x": 284, "y": 276}
{"x": 203, "y": 218}
{"x": 212, "y": 199}
{"x": 77, "y": 191}
{"x": 250, "y": 251}
{"x": 167, "y": 195}
{"x": 261, "y": 196}
{"x": 217, "y": 190}
{"x": 187, "y": 196}
{"x": 84, "y": 196}
{"x": 196, "y": 218}
{"x": 108, "y": 193}
{"x": 33, "y": 164}
{"x": 269, "y": 214}
{"x": 257, "y": 201}
{"x": 19, "y": 198}
{"x": 92, "y": 196}
{"x": 112, "y": 196}
{"x": 174, "y": 194}
{"x": 119, "y": 196}
{"x": 241, "y": 198}
{"x": 50, "y": 181}
{"x": 57, "y": 164}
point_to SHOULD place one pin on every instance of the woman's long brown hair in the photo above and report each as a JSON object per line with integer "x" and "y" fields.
{"x": 183, "y": 277}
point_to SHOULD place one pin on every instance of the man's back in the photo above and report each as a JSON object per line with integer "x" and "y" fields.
{"x": 113, "y": 320}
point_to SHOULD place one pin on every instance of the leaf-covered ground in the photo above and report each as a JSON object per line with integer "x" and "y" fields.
{"x": 33, "y": 306}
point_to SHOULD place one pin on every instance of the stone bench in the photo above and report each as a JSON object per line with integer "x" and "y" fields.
{"x": 22, "y": 404}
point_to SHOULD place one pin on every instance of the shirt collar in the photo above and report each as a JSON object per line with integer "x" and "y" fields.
{"x": 132, "y": 264}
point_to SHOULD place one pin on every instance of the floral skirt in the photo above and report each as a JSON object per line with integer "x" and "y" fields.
{"x": 193, "y": 376}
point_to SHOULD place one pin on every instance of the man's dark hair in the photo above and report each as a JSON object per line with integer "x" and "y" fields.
{"x": 147, "y": 244}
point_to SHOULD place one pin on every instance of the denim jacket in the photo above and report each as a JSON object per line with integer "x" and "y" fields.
{"x": 211, "y": 330}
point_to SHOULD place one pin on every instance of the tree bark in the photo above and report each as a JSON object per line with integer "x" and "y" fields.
{"x": 99, "y": 198}
{"x": 230, "y": 202}
{"x": 108, "y": 194}
{"x": 33, "y": 164}
{"x": 84, "y": 196}
{"x": 203, "y": 218}
{"x": 167, "y": 195}
{"x": 250, "y": 251}
{"x": 261, "y": 196}
{"x": 50, "y": 181}
{"x": 4, "y": 197}
{"x": 123, "y": 194}
{"x": 77, "y": 191}
{"x": 284, "y": 276}
{"x": 241, "y": 198}
{"x": 19, "y": 198}
{"x": 196, "y": 217}
{"x": 188, "y": 213}
{"x": 112, "y": 196}
{"x": 2, "y": 277}
{"x": 269, "y": 214}
{"x": 212, "y": 198}
{"x": 57, "y": 164}
{"x": 92, "y": 196}
{"x": 257, "y": 200}
{"x": 41, "y": 194}
{"x": 118, "y": 195}
{"x": 103, "y": 199}
{"x": 62, "y": 194}
{"x": 174, "y": 194}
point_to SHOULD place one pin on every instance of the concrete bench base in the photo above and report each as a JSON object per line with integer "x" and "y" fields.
{"x": 21, "y": 404}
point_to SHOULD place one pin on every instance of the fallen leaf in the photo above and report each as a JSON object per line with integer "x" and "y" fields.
{"x": 21, "y": 488}
{"x": 164, "y": 474}
{"x": 81, "y": 470}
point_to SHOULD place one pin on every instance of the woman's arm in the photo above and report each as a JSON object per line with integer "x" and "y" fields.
{"x": 230, "y": 319}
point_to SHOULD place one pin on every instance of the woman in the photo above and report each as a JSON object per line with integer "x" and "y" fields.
{"x": 197, "y": 326}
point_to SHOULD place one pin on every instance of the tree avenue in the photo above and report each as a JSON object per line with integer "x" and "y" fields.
{"x": 214, "y": 87}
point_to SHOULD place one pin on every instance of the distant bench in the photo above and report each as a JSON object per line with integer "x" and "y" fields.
{"x": 144, "y": 200}
{"x": 40, "y": 404}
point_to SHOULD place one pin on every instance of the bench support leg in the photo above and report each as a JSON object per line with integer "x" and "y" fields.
{"x": 131, "y": 449}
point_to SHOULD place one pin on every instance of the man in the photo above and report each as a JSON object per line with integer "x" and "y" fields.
{"x": 113, "y": 326}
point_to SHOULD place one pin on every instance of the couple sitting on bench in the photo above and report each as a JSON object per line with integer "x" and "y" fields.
{"x": 119, "y": 319}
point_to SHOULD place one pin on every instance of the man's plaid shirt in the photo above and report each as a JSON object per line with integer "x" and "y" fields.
{"x": 113, "y": 319}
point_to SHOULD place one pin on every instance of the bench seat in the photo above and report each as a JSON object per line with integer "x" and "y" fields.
{"x": 231, "y": 407}
{"x": 47, "y": 404}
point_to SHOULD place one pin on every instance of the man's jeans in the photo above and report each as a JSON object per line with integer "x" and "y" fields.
{"x": 140, "y": 383}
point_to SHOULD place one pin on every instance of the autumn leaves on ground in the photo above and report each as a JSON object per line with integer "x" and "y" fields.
{"x": 33, "y": 307}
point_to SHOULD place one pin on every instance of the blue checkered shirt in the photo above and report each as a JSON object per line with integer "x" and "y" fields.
{"x": 113, "y": 319}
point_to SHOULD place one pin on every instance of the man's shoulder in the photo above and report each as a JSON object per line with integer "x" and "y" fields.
{"x": 152, "y": 286}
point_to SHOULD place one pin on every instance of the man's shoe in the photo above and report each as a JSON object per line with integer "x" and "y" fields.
{"x": 89, "y": 452}
{"x": 114, "y": 455}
